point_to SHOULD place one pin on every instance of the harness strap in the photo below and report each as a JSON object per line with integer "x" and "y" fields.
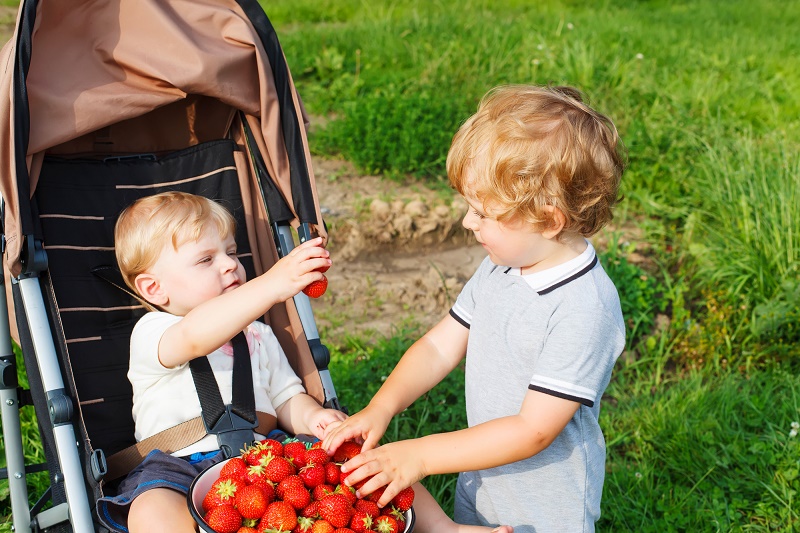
{"x": 233, "y": 424}
{"x": 168, "y": 441}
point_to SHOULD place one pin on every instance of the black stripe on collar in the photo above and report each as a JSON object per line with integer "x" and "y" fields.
{"x": 573, "y": 277}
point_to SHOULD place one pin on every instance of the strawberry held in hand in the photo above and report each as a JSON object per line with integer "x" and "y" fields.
{"x": 315, "y": 289}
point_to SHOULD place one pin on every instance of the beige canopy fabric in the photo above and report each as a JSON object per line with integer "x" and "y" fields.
{"x": 114, "y": 77}
{"x": 100, "y": 64}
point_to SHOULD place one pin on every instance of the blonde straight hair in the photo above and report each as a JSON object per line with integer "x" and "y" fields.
{"x": 145, "y": 227}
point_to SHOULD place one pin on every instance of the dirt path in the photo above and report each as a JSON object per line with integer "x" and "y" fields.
{"x": 399, "y": 253}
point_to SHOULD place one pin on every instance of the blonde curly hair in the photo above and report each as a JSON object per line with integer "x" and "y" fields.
{"x": 530, "y": 147}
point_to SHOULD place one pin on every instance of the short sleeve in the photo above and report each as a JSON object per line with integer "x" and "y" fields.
{"x": 145, "y": 367}
{"x": 276, "y": 374}
{"x": 464, "y": 306}
{"x": 578, "y": 355}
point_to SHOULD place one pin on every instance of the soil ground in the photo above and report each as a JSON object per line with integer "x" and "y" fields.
{"x": 400, "y": 255}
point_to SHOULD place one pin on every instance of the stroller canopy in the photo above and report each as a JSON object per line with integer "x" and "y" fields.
{"x": 82, "y": 68}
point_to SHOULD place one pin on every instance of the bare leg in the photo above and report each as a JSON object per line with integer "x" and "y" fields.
{"x": 430, "y": 518}
{"x": 160, "y": 511}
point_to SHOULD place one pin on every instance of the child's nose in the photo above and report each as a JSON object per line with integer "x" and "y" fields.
{"x": 468, "y": 221}
{"x": 230, "y": 263}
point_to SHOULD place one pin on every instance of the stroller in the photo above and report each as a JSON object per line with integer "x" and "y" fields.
{"x": 105, "y": 102}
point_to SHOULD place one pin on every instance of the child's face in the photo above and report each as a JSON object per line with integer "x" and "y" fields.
{"x": 198, "y": 271}
{"x": 514, "y": 244}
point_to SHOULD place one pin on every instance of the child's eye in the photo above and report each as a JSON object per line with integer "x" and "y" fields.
{"x": 479, "y": 215}
{"x": 232, "y": 253}
{"x": 205, "y": 260}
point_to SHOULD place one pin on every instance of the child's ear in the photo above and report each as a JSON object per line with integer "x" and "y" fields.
{"x": 150, "y": 289}
{"x": 557, "y": 222}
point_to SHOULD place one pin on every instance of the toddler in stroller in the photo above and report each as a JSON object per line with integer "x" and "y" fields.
{"x": 177, "y": 251}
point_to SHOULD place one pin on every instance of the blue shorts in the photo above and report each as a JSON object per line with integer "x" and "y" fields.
{"x": 158, "y": 470}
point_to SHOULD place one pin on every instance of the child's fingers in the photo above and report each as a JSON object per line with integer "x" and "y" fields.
{"x": 308, "y": 245}
{"x": 335, "y": 439}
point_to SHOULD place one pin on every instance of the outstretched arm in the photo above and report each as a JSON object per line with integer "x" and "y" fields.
{"x": 214, "y": 322}
{"x": 424, "y": 365}
{"x": 493, "y": 443}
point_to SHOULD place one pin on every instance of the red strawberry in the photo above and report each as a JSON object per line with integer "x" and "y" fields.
{"x": 311, "y": 510}
{"x": 336, "y": 509}
{"x": 276, "y": 469}
{"x": 347, "y": 492}
{"x": 304, "y": 525}
{"x": 235, "y": 468}
{"x": 224, "y": 519}
{"x": 312, "y": 475}
{"x": 397, "y": 515}
{"x": 256, "y": 475}
{"x": 360, "y": 522}
{"x": 255, "y": 455}
{"x": 320, "y": 491}
{"x": 251, "y": 501}
{"x": 332, "y": 474}
{"x": 317, "y": 456}
{"x": 343, "y": 530}
{"x": 404, "y": 499}
{"x": 286, "y": 483}
{"x": 323, "y": 268}
{"x": 322, "y": 526}
{"x": 315, "y": 289}
{"x": 346, "y": 451}
{"x": 280, "y": 516}
{"x": 294, "y": 492}
{"x": 296, "y": 452}
{"x": 247, "y": 529}
{"x": 222, "y": 492}
{"x": 371, "y": 508}
{"x": 387, "y": 524}
{"x": 273, "y": 446}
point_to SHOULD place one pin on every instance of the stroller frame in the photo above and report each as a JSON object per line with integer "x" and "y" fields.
{"x": 28, "y": 263}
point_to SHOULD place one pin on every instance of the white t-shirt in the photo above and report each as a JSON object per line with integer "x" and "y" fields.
{"x": 165, "y": 397}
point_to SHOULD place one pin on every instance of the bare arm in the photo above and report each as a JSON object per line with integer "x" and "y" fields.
{"x": 302, "y": 414}
{"x": 213, "y": 323}
{"x": 493, "y": 443}
{"x": 424, "y": 365}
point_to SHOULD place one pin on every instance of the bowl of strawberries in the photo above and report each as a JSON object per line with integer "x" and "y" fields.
{"x": 291, "y": 487}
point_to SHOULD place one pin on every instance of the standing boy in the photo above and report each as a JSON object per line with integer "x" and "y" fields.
{"x": 539, "y": 323}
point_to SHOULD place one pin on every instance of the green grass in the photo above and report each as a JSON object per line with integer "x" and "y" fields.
{"x": 706, "y": 95}
{"x": 702, "y": 453}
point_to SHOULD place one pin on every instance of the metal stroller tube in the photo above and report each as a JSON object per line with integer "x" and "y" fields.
{"x": 12, "y": 434}
{"x": 60, "y": 405}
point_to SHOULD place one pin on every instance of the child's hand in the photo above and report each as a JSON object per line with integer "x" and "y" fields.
{"x": 323, "y": 421}
{"x": 298, "y": 269}
{"x": 367, "y": 426}
{"x": 396, "y": 465}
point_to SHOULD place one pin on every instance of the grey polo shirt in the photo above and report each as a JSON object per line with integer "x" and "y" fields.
{"x": 559, "y": 333}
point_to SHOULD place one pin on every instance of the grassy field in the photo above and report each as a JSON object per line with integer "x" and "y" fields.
{"x": 701, "y": 417}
